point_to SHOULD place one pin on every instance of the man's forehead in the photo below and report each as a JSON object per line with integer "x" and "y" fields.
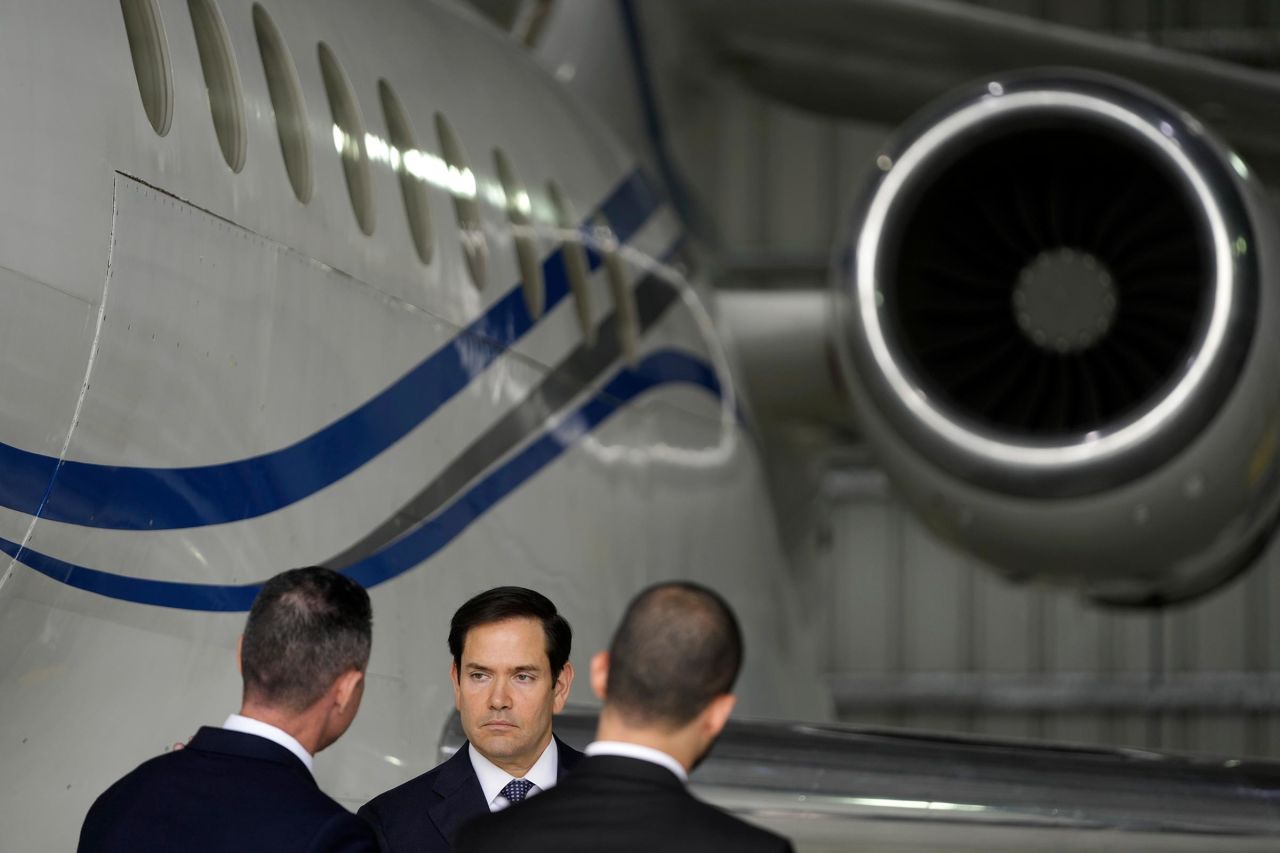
{"x": 509, "y": 643}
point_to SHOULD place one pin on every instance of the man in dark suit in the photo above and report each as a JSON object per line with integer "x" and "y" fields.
{"x": 510, "y": 675}
{"x": 248, "y": 786}
{"x": 666, "y": 683}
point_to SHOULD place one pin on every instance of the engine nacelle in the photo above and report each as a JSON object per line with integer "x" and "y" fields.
{"x": 1060, "y": 339}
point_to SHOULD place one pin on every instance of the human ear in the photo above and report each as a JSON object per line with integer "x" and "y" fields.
{"x": 348, "y": 687}
{"x": 563, "y": 683}
{"x": 716, "y": 714}
{"x": 600, "y": 673}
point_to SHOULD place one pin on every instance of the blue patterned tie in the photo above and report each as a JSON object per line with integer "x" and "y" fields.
{"x": 516, "y": 790}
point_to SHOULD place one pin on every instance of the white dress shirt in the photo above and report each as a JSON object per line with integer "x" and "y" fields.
{"x": 250, "y": 726}
{"x": 635, "y": 750}
{"x": 493, "y": 778}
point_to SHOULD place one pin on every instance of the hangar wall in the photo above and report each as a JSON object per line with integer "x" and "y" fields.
{"x": 931, "y": 639}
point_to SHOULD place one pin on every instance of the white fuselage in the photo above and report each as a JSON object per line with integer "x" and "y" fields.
{"x": 205, "y": 380}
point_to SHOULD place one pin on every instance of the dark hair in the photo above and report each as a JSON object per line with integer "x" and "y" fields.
{"x": 678, "y": 647}
{"x": 306, "y": 628}
{"x": 512, "y": 602}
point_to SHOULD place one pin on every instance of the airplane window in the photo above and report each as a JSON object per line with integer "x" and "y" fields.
{"x": 348, "y": 137}
{"x": 624, "y": 303}
{"x": 406, "y": 156}
{"x": 518, "y": 210}
{"x": 286, "y": 102}
{"x": 460, "y": 181}
{"x": 575, "y": 259}
{"x": 145, "y": 31}
{"x": 221, "y": 79}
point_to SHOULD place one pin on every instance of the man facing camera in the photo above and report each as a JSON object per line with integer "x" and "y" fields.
{"x": 510, "y": 675}
{"x": 666, "y": 683}
{"x": 248, "y": 786}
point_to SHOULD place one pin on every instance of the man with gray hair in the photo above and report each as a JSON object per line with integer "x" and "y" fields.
{"x": 667, "y": 684}
{"x": 249, "y": 785}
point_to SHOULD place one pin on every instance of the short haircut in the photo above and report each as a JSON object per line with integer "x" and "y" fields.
{"x": 512, "y": 602}
{"x": 306, "y": 628}
{"x": 678, "y": 647}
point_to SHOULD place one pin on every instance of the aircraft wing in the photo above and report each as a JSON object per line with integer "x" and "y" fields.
{"x": 881, "y": 60}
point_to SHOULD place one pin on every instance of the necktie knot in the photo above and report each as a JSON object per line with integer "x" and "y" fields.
{"x": 516, "y": 790}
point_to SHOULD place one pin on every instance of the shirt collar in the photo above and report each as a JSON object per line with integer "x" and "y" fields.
{"x": 635, "y": 750}
{"x": 493, "y": 778}
{"x": 250, "y": 726}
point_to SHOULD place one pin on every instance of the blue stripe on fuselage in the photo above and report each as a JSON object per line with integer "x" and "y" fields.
{"x": 134, "y": 498}
{"x": 428, "y": 537}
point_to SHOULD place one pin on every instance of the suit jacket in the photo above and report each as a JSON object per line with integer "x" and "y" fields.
{"x": 620, "y": 805}
{"x": 226, "y": 791}
{"x": 425, "y": 813}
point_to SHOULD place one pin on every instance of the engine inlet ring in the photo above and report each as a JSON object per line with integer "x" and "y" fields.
{"x": 1078, "y": 452}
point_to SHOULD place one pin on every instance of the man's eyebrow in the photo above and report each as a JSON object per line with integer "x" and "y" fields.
{"x": 479, "y": 667}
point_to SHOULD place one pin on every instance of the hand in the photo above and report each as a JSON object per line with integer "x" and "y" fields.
{"x": 179, "y": 745}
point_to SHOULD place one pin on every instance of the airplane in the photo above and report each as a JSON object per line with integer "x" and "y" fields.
{"x": 289, "y": 284}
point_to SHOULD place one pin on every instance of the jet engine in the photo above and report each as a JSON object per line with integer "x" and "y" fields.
{"x": 1059, "y": 333}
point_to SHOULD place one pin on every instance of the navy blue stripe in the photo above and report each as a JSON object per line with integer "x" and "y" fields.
{"x": 131, "y": 498}
{"x": 424, "y": 540}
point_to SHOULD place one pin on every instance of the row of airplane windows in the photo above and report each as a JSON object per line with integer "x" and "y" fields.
{"x": 416, "y": 167}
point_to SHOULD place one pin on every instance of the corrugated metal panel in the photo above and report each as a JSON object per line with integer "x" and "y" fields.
{"x": 867, "y": 592}
{"x": 779, "y": 178}
{"x": 906, "y": 603}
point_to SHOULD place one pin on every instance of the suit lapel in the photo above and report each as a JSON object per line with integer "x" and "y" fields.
{"x": 461, "y": 797}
